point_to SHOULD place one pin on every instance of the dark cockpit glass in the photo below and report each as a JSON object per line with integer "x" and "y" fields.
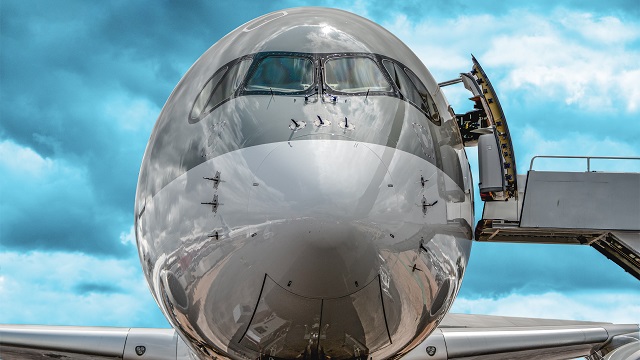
{"x": 412, "y": 88}
{"x": 404, "y": 84}
{"x": 354, "y": 75}
{"x": 286, "y": 74}
{"x": 229, "y": 84}
{"x": 219, "y": 88}
{"x": 205, "y": 94}
{"x": 428, "y": 104}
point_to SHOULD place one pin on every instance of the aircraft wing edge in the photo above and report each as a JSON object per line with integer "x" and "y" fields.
{"x": 513, "y": 341}
{"x": 567, "y": 341}
{"x": 28, "y": 341}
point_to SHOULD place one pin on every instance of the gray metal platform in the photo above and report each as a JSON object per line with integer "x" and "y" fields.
{"x": 601, "y": 209}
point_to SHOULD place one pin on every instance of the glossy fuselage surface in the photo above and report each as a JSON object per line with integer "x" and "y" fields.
{"x": 319, "y": 222}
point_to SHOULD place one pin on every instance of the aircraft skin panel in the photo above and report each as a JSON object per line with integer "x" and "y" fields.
{"x": 93, "y": 341}
{"x": 78, "y": 342}
{"x": 477, "y": 321}
{"x": 24, "y": 353}
{"x": 484, "y": 337}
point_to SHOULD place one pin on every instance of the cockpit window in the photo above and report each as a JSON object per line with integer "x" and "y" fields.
{"x": 412, "y": 89}
{"x": 285, "y": 74}
{"x": 205, "y": 94}
{"x": 229, "y": 84}
{"x": 219, "y": 88}
{"x": 404, "y": 84}
{"x": 426, "y": 97}
{"x": 354, "y": 75}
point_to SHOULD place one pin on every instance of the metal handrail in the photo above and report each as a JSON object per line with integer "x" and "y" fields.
{"x": 588, "y": 158}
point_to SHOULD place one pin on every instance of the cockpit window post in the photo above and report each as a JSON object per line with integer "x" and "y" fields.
{"x": 321, "y": 83}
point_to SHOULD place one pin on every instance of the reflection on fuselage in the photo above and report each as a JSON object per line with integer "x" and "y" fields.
{"x": 327, "y": 216}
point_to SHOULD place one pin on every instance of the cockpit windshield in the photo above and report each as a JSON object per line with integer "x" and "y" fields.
{"x": 354, "y": 75}
{"x": 308, "y": 74}
{"x": 282, "y": 74}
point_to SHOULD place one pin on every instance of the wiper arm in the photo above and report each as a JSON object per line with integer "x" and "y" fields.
{"x": 306, "y": 97}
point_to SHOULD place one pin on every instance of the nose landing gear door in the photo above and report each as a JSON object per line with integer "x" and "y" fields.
{"x": 486, "y": 127}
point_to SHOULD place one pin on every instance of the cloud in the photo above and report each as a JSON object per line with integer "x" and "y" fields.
{"x": 588, "y": 60}
{"x": 131, "y": 114}
{"x": 51, "y": 204}
{"x": 617, "y": 307}
{"x": 75, "y": 289}
{"x": 128, "y": 237}
{"x": 100, "y": 288}
{"x": 588, "y": 75}
{"x": 603, "y": 29}
{"x": 15, "y": 158}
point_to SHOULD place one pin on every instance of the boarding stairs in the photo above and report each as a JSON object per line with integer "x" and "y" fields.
{"x": 586, "y": 207}
{"x": 596, "y": 208}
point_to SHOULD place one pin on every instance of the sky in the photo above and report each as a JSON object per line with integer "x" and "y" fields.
{"x": 82, "y": 83}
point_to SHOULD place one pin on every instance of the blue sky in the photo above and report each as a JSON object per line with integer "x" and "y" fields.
{"x": 82, "y": 84}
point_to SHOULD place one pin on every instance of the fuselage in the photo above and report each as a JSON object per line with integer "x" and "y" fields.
{"x": 305, "y": 194}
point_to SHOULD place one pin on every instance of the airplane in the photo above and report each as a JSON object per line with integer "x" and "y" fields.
{"x": 306, "y": 194}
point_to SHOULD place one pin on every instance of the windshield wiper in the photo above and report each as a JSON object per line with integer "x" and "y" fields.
{"x": 315, "y": 92}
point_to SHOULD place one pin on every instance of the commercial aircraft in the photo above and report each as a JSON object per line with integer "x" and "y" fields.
{"x": 305, "y": 194}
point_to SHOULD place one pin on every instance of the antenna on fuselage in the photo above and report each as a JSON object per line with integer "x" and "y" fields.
{"x": 271, "y": 90}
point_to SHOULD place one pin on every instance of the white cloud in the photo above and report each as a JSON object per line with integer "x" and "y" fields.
{"x": 621, "y": 307}
{"x": 128, "y": 237}
{"x": 26, "y": 165}
{"x": 443, "y": 45}
{"x": 132, "y": 114}
{"x": 588, "y": 61}
{"x": 22, "y": 159}
{"x": 628, "y": 82}
{"x": 30, "y": 180}
{"x": 552, "y": 65}
{"x": 75, "y": 289}
{"x": 582, "y": 58}
{"x": 605, "y": 29}
{"x": 357, "y": 7}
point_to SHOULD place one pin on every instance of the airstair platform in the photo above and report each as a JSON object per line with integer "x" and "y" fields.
{"x": 600, "y": 209}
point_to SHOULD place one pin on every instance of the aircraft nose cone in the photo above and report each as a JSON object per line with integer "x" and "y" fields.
{"x": 322, "y": 205}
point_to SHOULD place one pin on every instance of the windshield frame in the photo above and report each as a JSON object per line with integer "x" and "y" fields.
{"x": 318, "y": 86}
